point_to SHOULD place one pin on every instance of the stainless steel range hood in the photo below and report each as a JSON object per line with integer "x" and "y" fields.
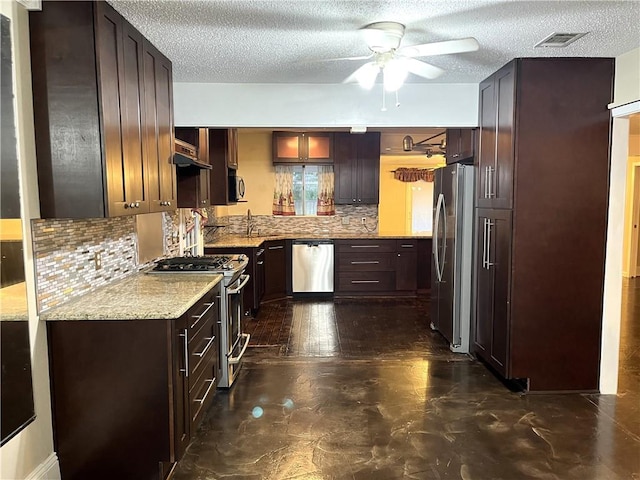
{"x": 186, "y": 155}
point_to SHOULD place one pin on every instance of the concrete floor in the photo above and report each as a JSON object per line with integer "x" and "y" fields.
{"x": 364, "y": 390}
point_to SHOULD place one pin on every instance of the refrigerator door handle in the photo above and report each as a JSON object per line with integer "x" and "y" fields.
{"x": 435, "y": 242}
{"x": 444, "y": 236}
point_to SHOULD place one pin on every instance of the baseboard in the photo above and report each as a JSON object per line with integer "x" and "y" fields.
{"x": 47, "y": 470}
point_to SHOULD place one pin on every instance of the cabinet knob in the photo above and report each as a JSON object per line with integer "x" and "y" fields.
{"x": 354, "y": 199}
{"x": 203, "y": 202}
{"x": 455, "y": 155}
{"x": 137, "y": 204}
{"x": 168, "y": 204}
{"x": 398, "y": 254}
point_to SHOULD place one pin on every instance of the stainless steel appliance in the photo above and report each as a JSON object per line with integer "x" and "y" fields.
{"x": 312, "y": 266}
{"x": 233, "y": 341}
{"x": 452, "y": 254}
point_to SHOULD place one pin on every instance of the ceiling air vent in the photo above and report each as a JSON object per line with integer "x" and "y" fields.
{"x": 559, "y": 40}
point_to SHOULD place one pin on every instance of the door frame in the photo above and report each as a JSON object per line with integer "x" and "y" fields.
{"x": 612, "y": 301}
{"x": 634, "y": 237}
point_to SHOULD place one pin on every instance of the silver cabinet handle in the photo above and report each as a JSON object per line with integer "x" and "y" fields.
{"x": 491, "y": 182}
{"x": 489, "y": 225}
{"x": 484, "y": 243}
{"x": 486, "y": 182}
{"x": 365, "y": 246}
{"x": 261, "y": 262}
{"x": 201, "y": 316}
{"x": 406, "y": 246}
{"x": 371, "y": 262}
{"x": 186, "y": 353}
{"x": 259, "y": 252}
{"x": 278, "y": 247}
{"x": 206, "y": 347}
{"x": 365, "y": 281}
{"x": 212, "y": 382}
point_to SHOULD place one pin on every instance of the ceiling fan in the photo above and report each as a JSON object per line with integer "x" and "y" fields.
{"x": 395, "y": 62}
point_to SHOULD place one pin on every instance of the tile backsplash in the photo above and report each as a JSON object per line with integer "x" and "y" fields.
{"x": 346, "y": 220}
{"x": 65, "y": 254}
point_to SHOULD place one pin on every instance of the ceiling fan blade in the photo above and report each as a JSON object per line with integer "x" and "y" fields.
{"x": 440, "y": 48}
{"x": 365, "y": 75}
{"x": 362, "y": 57}
{"x": 422, "y": 69}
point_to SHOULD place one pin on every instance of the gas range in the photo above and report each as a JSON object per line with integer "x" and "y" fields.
{"x": 227, "y": 265}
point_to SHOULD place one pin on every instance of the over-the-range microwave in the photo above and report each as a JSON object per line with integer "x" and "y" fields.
{"x": 236, "y": 187}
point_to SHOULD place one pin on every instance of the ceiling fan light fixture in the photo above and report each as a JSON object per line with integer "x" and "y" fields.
{"x": 395, "y": 73}
{"x": 366, "y": 76}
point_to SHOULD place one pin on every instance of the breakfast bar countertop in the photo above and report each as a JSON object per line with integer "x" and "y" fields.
{"x": 140, "y": 296}
{"x": 242, "y": 241}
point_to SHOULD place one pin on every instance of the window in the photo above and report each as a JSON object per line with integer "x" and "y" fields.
{"x": 304, "y": 190}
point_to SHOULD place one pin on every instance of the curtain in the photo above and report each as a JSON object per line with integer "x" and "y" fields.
{"x": 413, "y": 174}
{"x": 283, "y": 192}
{"x": 326, "y": 205}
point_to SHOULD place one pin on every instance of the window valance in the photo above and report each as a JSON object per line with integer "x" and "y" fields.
{"x": 413, "y": 174}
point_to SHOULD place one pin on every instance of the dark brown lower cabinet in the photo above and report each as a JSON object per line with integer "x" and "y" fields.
{"x": 275, "y": 269}
{"x": 128, "y": 394}
{"x": 376, "y": 267}
{"x": 493, "y": 265}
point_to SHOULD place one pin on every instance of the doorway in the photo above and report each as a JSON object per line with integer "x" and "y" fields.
{"x": 631, "y": 247}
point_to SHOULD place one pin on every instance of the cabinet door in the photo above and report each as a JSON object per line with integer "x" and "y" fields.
{"x": 493, "y": 265}
{"x": 407, "y": 265}
{"x": 344, "y": 169}
{"x": 258, "y": 281}
{"x": 232, "y": 156}
{"x": 158, "y": 133}
{"x": 194, "y": 183}
{"x": 318, "y": 147}
{"x": 368, "y": 168}
{"x": 132, "y": 105}
{"x": 460, "y": 145}
{"x": 496, "y": 145}
{"x": 275, "y": 272}
{"x": 182, "y": 417}
{"x": 486, "y": 158}
{"x": 287, "y": 147}
{"x": 110, "y": 61}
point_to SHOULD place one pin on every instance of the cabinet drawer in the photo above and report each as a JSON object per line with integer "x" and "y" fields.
{"x": 365, "y": 281}
{"x": 352, "y": 246}
{"x": 204, "y": 387}
{"x": 200, "y": 346}
{"x": 367, "y": 262}
{"x": 406, "y": 245}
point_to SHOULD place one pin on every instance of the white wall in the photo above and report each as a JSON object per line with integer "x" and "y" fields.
{"x": 321, "y": 105}
{"x": 627, "y": 80}
{"x": 32, "y": 449}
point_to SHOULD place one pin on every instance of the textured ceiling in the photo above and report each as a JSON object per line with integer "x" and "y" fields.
{"x": 238, "y": 41}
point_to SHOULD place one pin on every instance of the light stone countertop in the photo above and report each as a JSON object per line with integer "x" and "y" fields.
{"x": 241, "y": 241}
{"x": 13, "y": 303}
{"x": 139, "y": 296}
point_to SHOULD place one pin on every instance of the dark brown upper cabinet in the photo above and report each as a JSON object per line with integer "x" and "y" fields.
{"x": 223, "y": 157}
{"x": 307, "y": 147}
{"x": 102, "y": 114}
{"x": 194, "y": 184}
{"x": 460, "y": 145}
{"x": 357, "y": 168}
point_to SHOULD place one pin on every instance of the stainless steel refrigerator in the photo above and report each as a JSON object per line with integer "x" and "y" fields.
{"x": 452, "y": 254}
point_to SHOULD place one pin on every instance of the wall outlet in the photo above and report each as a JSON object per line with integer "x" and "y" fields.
{"x": 364, "y": 220}
{"x": 345, "y": 221}
{"x": 97, "y": 259}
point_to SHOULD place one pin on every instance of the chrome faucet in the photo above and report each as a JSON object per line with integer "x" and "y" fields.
{"x": 250, "y": 225}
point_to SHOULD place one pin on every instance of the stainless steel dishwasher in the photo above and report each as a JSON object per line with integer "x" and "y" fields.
{"x": 312, "y": 266}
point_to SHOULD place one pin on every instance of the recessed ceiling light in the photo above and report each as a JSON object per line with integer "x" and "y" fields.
{"x": 559, "y": 40}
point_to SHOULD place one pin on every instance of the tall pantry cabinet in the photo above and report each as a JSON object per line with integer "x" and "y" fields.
{"x": 541, "y": 212}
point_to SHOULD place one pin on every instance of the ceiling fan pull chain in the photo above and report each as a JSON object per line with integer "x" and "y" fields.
{"x": 384, "y": 105}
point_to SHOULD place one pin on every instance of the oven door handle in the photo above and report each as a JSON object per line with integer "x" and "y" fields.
{"x": 235, "y": 360}
{"x": 244, "y": 279}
